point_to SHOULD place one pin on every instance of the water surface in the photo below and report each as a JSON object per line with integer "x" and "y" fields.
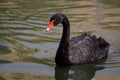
{"x": 27, "y": 51}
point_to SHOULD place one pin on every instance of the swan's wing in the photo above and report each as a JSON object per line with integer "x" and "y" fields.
{"x": 87, "y": 39}
{"x": 75, "y": 40}
{"x": 87, "y": 48}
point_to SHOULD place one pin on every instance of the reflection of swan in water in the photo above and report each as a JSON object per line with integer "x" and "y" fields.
{"x": 83, "y": 72}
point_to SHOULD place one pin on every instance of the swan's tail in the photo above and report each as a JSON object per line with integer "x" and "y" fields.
{"x": 102, "y": 43}
{"x": 99, "y": 41}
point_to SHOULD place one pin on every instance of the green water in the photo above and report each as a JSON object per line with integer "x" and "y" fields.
{"x": 27, "y": 52}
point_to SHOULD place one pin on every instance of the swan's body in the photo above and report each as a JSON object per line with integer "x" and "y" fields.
{"x": 79, "y": 50}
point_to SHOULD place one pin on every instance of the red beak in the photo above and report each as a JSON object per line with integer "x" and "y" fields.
{"x": 50, "y": 26}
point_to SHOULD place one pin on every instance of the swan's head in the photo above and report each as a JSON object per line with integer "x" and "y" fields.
{"x": 55, "y": 20}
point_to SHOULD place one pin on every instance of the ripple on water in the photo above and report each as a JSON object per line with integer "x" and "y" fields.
{"x": 22, "y": 31}
{"x": 27, "y": 67}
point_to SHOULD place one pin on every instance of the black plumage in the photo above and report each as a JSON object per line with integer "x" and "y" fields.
{"x": 82, "y": 49}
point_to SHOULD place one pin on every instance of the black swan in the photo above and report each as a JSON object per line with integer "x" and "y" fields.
{"x": 79, "y": 50}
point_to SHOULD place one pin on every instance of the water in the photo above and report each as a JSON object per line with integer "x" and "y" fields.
{"x": 27, "y": 52}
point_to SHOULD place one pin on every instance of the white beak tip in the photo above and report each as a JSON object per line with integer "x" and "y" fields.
{"x": 47, "y": 29}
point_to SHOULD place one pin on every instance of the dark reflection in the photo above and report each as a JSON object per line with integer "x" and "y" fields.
{"x": 1, "y": 78}
{"x": 3, "y": 48}
{"x": 3, "y": 51}
{"x": 61, "y": 73}
{"x": 79, "y": 72}
{"x": 5, "y": 61}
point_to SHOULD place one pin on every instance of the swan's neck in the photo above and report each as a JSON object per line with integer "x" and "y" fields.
{"x": 64, "y": 43}
{"x": 63, "y": 50}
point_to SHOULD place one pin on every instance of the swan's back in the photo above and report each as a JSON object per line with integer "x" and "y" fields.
{"x": 87, "y": 48}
